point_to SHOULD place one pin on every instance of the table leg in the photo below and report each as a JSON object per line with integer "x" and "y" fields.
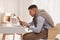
{"x": 13, "y": 36}
{"x": 3, "y": 38}
{"x": 21, "y": 36}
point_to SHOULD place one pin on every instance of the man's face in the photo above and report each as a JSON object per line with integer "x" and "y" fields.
{"x": 32, "y": 12}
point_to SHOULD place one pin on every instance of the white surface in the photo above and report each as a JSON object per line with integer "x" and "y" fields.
{"x": 58, "y": 36}
{"x": 13, "y": 29}
{"x": 9, "y": 6}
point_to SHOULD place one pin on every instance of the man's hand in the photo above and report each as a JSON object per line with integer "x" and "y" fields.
{"x": 25, "y": 24}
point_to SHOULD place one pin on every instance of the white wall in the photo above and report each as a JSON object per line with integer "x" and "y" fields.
{"x": 54, "y": 10}
{"x": 57, "y": 11}
{"x": 23, "y": 10}
{"x": 9, "y": 6}
{"x": 2, "y": 5}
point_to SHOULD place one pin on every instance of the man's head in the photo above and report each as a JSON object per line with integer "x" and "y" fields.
{"x": 32, "y": 10}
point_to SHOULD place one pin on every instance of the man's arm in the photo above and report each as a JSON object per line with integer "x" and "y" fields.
{"x": 23, "y": 23}
{"x": 40, "y": 22}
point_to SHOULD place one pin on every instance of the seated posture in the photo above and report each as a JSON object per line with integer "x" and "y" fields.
{"x": 41, "y": 22}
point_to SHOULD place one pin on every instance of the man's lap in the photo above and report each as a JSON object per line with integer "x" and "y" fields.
{"x": 35, "y": 36}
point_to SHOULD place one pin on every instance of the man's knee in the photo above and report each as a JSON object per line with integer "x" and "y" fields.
{"x": 26, "y": 36}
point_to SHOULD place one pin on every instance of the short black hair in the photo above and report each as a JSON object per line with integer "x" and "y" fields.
{"x": 32, "y": 6}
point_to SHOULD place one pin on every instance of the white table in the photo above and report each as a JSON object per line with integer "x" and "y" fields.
{"x": 12, "y": 30}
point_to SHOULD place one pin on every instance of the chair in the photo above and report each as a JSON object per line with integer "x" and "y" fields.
{"x": 52, "y": 32}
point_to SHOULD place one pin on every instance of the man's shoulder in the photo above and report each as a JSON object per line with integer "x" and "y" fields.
{"x": 42, "y": 10}
{"x": 40, "y": 17}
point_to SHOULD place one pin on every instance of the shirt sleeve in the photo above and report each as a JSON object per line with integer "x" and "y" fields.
{"x": 40, "y": 22}
{"x": 31, "y": 23}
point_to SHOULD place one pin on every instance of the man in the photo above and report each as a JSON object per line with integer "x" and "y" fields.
{"x": 41, "y": 22}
